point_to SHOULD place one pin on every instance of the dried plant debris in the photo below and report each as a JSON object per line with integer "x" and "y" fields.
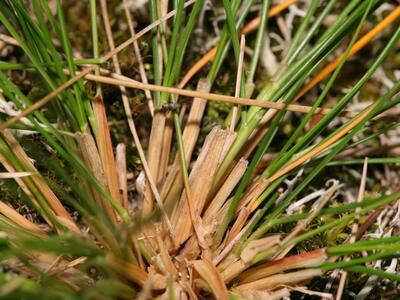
{"x": 139, "y": 162}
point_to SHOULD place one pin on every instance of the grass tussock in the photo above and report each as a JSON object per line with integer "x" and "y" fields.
{"x": 224, "y": 149}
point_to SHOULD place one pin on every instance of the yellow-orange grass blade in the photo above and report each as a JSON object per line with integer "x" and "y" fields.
{"x": 319, "y": 148}
{"x": 393, "y": 16}
{"x": 105, "y": 147}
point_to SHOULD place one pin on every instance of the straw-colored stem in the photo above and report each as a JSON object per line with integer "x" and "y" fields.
{"x": 238, "y": 82}
{"x": 138, "y": 56}
{"x": 211, "y": 96}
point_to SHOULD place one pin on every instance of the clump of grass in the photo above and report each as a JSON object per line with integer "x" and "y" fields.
{"x": 236, "y": 220}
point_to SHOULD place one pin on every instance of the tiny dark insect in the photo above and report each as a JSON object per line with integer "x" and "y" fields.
{"x": 169, "y": 107}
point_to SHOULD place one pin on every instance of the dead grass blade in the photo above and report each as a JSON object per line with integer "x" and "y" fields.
{"x": 274, "y": 281}
{"x": 166, "y": 148}
{"x": 211, "y": 275}
{"x": 303, "y": 260}
{"x": 92, "y": 159}
{"x": 212, "y": 217}
{"x": 120, "y": 162}
{"x": 225, "y": 190}
{"x": 174, "y": 183}
{"x": 238, "y": 83}
{"x": 47, "y": 193}
{"x": 138, "y": 56}
{"x": 210, "y": 96}
{"x": 236, "y": 267}
{"x": 130, "y": 271}
{"x": 200, "y": 179}
{"x": 232, "y": 241}
{"x": 169, "y": 267}
{"x": 10, "y": 175}
{"x": 105, "y": 148}
{"x": 252, "y": 194}
{"x": 154, "y": 157}
{"x": 9, "y": 40}
{"x": 18, "y": 219}
{"x": 150, "y": 167}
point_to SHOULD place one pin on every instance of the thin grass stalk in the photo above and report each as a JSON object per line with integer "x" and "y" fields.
{"x": 78, "y": 88}
{"x": 35, "y": 55}
{"x": 195, "y": 219}
{"x": 170, "y": 78}
{"x": 299, "y": 41}
{"x": 338, "y": 107}
{"x": 264, "y": 12}
{"x": 148, "y": 205}
{"x": 324, "y": 92}
{"x": 86, "y": 71}
{"x": 118, "y": 80}
{"x": 172, "y": 50}
{"x": 235, "y": 109}
{"x": 344, "y": 218}
{"x": 60, "y": 146}
{"x": 358, "y": 124}
{"x": 252, "y": 25}
{"x": 154, "y": 47}
{"x": 284, "y": 82}
{"x": 391, "y": 18}
{"x": 138, "y": 57}
{"x": 373, "y": 272}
